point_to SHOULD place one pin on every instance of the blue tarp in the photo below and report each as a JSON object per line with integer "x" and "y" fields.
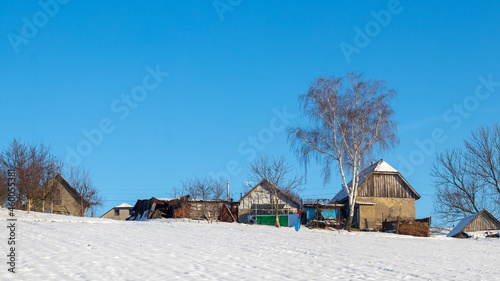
{"x": 331, "y": 214}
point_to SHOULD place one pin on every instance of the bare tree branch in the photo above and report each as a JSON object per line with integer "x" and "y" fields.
{"x": 81, "y": 180}
{"x": 467, "y": 180}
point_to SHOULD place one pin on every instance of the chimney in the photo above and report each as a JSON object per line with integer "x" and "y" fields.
{"x": 227, "y": 190}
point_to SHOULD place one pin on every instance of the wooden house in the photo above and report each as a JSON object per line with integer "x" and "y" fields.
{"x": 383, "y": 195}
{"x": 120, "y": 212}
{"x": 259, "y": 205}
{"x": 483, "y": 220}
{"x": 65, "y": 199}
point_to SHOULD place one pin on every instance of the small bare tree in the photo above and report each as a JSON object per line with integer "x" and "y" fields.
{"x": 468, "y": 180}
{"x": 350, "y": 116}
{"x": 204, "y": 189}
{"x": 280, "y": 173}
{"x": 34, "y": 166}
{"x": 4, "y": 191}
{"x": 82, "y": 182}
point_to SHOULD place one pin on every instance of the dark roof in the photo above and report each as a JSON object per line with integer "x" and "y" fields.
{"x": 266, "y": 181}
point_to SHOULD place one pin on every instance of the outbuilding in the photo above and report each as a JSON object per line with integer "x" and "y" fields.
{"x": 483, "y": 220}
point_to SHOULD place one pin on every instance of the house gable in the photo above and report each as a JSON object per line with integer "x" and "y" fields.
{"x": 380, "y": 180}
{"x": 123, "y": 210}
{"x": 262, "y": 193}
{"x": 387, "y": 185}
{"x": 68, "y": 200}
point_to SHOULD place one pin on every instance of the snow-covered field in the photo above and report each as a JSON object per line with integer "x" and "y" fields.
{"x": 53, "y": 247}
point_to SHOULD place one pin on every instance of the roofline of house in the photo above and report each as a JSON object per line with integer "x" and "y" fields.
{"x": 58, "y": 175}
{"x": 273, "y": 186}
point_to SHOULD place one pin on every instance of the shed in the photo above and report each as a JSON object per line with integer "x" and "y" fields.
{"x": 483, "y": 220}
{"x": 226, "y": 211}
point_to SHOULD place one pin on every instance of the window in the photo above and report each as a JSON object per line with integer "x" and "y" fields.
{"x": 117, "y": 212}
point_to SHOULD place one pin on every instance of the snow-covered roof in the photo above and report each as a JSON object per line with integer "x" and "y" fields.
{"x": 124, "y": 205}
{"x": 379, "y": 166}
{"x": 462, "y": 224}
{"x": 167, "y": 199}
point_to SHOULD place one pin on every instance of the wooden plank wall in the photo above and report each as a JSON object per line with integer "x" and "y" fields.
{"x": 482, "y": 222}
{"x": 385, "y": 185}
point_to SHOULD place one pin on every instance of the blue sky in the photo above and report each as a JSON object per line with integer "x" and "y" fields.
{"x": 173, "y": 89}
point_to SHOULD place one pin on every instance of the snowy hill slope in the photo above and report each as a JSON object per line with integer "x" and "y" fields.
{"x": 53, "y": 247}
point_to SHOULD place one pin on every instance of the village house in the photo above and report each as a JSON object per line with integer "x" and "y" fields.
{"x": 383, "y": 195}
{"x": 483, "y": 220}
{"x": 258, "y": 205}
{"x": 120, "y": 212}
{"x": 64, "y": 200}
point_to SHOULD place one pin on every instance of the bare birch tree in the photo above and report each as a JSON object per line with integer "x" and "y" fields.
{"x": 350, "y": 117}
{"x": 467, "y": 180}
{"x": 280, "y": 173}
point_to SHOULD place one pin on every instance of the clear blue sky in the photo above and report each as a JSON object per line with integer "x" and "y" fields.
{"x": 86, "y": 66}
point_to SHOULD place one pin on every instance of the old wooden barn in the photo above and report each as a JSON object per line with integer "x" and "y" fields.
{"x": 383, "y": 195}
{"x": 483, "y": 220}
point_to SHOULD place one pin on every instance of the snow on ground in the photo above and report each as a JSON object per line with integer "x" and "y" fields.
{"x": 54, "y": 247}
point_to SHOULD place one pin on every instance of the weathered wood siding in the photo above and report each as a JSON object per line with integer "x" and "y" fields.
{"x": 482, "y": 222}
{"x": 385, "y": 185}
{"x": 202, "y": 210}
